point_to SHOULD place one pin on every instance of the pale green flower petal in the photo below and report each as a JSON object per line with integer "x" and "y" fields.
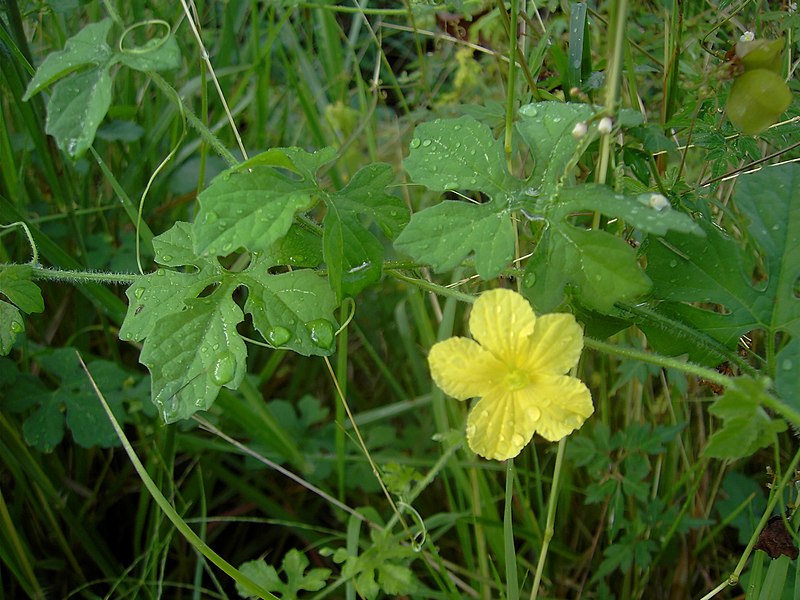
{"x": 501, "y": 321}
{"x": 462, "y": 369}
{"x": 501, "y": 424}
{"x": 555, "y": 345}
{"x": 565, "y": 403}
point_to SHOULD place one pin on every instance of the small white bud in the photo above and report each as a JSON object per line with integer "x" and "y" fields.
{"x": 658, "y": 202}
{"x": 579, "y": 130}
{"x": 747, "y": 36}
{"x": 605, "y": 125}
{"x": 792, "y": 6}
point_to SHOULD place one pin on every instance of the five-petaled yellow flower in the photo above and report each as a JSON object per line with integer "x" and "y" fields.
{"x": 517, "y": 368}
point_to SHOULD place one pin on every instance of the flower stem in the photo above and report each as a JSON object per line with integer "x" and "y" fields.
{"x": 512, "y": 583}
{"x": 78, "y": 277}
{"x": 551, "y": 517}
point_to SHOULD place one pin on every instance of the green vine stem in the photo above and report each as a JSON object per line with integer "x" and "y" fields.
{"x": 31, "y": 241}
{"x": 167, "y": 508}
{"x": 786, "y": 411}
{"x": 78, "y": 277}
{"x": 509, "y": 547}
{"x": 777, "y": 492}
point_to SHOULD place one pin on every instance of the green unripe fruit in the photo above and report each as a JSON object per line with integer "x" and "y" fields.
{"x": 756, "y": 100}
{"x": 761, "y": 54}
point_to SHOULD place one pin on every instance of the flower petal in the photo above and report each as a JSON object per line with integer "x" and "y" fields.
{"x": 502, "y": 321}
{"x": 462, "y": 369}
{"x": 501, "y": 424}
{"x": 565, "y": 403}
{"x": 555, "y": 345}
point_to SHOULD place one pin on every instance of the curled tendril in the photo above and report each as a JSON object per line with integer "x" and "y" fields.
{"x": 422, "y": 535}
{"x": 152, "y": 44}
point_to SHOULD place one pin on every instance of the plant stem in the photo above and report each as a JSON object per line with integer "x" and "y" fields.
{"x": 512, "y": 77}
{"x": 551, "y": 517}
{"x": 512, "y": 582}
{"x": 73, "y": 276}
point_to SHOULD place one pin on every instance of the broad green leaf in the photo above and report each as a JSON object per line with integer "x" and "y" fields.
{"x": 193, "y": 353}
{"x": 746, "y": 425}
{"x": 547, "y": 128}
{"x": 44, "y": 428}
{"x": 787, "y": 383}
{"x": 294, "y": 566}
{"x": 365, "y": 195}
{"x": 11, "y": 325}
{"x": 250, "y": 209}
{"x": 292, "y": 310}
{"x": 354, "y": 256}
{"x": 306, "y": 164}
{"x": 445, "y": 234}
{"x": 650, "y": 213}
{"x": 16, "y": 285}
{"x": 461, "y": 153}
{"x": 87, "y": 47}
{"x": 596, "y": 267}
{"x": 160, "y": 54}
{"x": 78, "y": 105}
{"x": 716, "y": 270}
{"x": 192, "y": 347}
{"x": 298, "y": 248}
{"x": 259, "y": 572}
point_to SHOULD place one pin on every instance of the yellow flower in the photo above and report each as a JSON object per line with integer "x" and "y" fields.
{"x": 517, "y": 368}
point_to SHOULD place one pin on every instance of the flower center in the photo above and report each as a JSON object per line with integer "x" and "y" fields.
{"x": 516, "y": 379}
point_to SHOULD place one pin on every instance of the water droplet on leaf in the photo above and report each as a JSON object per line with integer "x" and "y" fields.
{"x": 415, "y": 143}
{"x": 278, "y": 336}
{"x": 138, "y": 292}
{"x": 321, "y": 332}
{"x": 166, "y": 258}
{"x": 223, "y": 370}
{"x": 210, "y": 217}
{"x": 17, "y": 327}
{"x": 426, "y": 143}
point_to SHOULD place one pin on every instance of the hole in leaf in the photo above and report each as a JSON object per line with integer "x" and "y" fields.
{"x": 208, "y": 290}
{"x": 236, "y": 261}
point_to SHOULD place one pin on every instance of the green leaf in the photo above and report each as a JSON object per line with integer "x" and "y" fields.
{"x": 292, "y": 310}
{"x": 299, "y": 161}
{"x": 160, "y": 54}
{"x": 249, "y": 209}
{"x": 192, "y": 347}
{"x": 445, "y": 234}
{"x": 461, "y": 153}
{"x": 11, "y": 325}
{"x": 193, "y": 353}
{"x": 746, "y": 425}
{"x": 547, "y": 128}
{"x": 44, "y": 428}
{"x": 87, "y": 47}
{"x": 595, "y": 266}
{"x": 77, "y": 107}
{"x": 650, "y": 213}
{"x": 354, "y": 256}
{"x": 294, "y": 566}
{"x": 16, "y": 285}
{"x": 716, "y": 270}
{"x": 787, "y": 383}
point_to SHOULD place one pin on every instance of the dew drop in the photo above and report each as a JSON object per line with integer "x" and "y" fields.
{"x": 278, "y": 336}
{"x": 529, "y": 280}
{"x": 415, "y": 143}
{"x": 166, "y": 258}
{"x": 786, "y": 365}
{"x": 224, "y": 369}
{"x": 161, "y": 272}
{"x": 321, "y": 332}
{"x": 210, "y": 217}
{"x": 529, "y": 110}
{"x": 138, "y": 292}
{"x": 426, "y": 143}
{"x": 17, "y": 327}
{"x": 227, "y": 247}
{"x": 673, "y": 263}
{"x": 517, "y": 440}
